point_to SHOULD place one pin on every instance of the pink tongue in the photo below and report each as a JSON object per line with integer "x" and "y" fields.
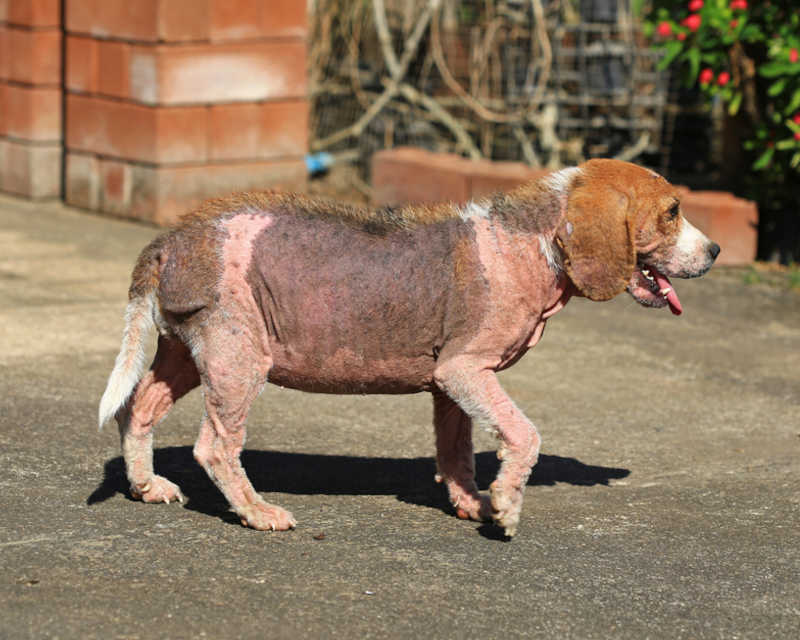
{"x": 672, "y": 297}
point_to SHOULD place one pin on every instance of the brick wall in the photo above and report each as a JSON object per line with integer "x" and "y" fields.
{"x": 172, "y": 101}
{"x": 164, "y": 102}
{"x": 30, "y": 97}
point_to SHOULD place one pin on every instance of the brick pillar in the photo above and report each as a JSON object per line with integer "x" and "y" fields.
{"x": 173, "y": 101}
{"x": 30, "y": 97}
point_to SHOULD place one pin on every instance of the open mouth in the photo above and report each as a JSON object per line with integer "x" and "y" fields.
{"x": 650, "y": 287}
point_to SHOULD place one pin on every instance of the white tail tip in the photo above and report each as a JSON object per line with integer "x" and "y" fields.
{"x": 130, "y": 360}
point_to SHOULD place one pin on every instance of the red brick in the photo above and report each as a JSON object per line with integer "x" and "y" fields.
{"x": 183, "y": 20}
{"x": 34, "y": 57}
{"x": 258, "y": 130}
{"x": 139, "y": 20}
{"x": 82, "y": 64}
{"x": 98, "y": 66}
{"x": 135, "y": 132}
{"x": 163, "y": 194}
{"x": 127, "y": 19}
{"x": 283, "y": 18}
{"x": 171, "y": 192}
{"x": 187, "y": 20}
{"x": 116, "y": 186}
{"x": 30, "y": 170}
{"x": 730, "y": 221}
{"x": 82, "y": 188}
{"x": 249, "y": 19}
{"x": 32, "y": 13}
{"x": 235, "y": 19}
{"x": 410, "y": 175}
{"x": 3, "y": 109}
{"x": 30, "y": 113}
{"x": 187, "y": 74}
{"x": 4, "y": 52}
{"x": 487, "y": 177}
{"x": 113, "y": 68}
{"x": 218, "y": 73}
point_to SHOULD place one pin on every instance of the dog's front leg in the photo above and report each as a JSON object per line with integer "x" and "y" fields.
{"x": 477, "y": 391}
{"x": 455, "y": 459}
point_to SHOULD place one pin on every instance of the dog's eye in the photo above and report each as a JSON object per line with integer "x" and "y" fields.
{"x": 674, "y": 210}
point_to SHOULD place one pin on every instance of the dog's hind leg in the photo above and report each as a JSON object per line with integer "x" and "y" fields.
{"x": 455, "y": 460}
{"x": 233, "y": 373}
{"x": 172, "y": 375}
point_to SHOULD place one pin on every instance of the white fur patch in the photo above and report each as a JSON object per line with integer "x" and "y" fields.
{"x": 130, "y": 361}
{"x": 560, "y": 181}
{"x": 474, "y": 210}
{"x": 689, "y": 239}
{"x": 549, "y": 253}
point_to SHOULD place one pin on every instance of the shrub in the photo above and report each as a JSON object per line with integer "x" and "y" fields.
{"x": 746, "y": 54}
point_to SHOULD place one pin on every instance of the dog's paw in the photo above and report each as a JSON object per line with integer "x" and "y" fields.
{"x": 266, "y": 517}
{"x": 473, "y": 507}
{"x": 506, "y": 506}
{"x": 157, "y": 489}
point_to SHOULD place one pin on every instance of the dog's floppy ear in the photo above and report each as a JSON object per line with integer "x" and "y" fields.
{"x": 597, "y": 239}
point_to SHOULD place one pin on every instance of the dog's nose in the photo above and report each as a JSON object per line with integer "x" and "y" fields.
{"x": 714, "y": 250}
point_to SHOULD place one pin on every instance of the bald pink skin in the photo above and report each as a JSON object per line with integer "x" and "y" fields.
{"x": 319, "y": 305}
{"x": 351, "y": 312}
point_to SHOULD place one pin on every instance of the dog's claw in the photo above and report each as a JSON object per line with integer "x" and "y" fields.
{"x": 156, "y": 489}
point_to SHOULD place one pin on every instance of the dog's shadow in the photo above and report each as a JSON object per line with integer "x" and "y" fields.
{"x": 410, "y": 479}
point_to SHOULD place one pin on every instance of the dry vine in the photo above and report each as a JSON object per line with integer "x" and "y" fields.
{"x": 398, "y": 64}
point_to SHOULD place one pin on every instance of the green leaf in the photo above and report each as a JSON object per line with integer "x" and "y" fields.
{"x": 795, "y": 160}
{"x": 751, "y": 33}
{"x": 775, "y": 69}
{"x": 776, "y": 88}
{"x": 764, "y": 159}
{"x": 694, "y": 63}
{"x": 672, "y": 49}
{"x": 794, "y": 103}
{"x": 736, "y": 101}
{"x": 786, "y": 143}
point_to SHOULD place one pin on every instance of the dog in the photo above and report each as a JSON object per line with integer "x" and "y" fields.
{"x": 332, "y": 298}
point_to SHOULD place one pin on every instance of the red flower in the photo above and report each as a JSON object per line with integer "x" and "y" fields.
{"x": 734, "y": 24}
{"x": 664, "y": 29}
{"x": 739, "y": 4}
{"x": 793, "y": 55}
{"x": 692, "y": 22}
{"x": 797, "y": 135}
{"x": 796, "y": 118}
{"x": 723, "y": 78}
{"x": 706, "y": 76}
{"x": 695, "y": 5}
{"x": 680, "y": 36}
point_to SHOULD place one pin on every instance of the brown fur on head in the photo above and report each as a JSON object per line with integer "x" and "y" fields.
{"x": 615, "y": 213}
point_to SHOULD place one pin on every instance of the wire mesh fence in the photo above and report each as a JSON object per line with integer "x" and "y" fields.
{"x": 546, "y": 82}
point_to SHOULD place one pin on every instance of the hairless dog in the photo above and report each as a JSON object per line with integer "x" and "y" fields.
{"x": 324, "y": 297}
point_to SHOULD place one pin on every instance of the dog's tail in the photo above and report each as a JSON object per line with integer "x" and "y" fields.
{"x": 131, "y": 358}
{"x": 139, "y": 324}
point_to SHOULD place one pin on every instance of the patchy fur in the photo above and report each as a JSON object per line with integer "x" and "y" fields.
{"x": 327, "y": 297}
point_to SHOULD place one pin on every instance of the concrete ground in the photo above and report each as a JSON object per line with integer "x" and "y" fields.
{"x": 666, "y": 503}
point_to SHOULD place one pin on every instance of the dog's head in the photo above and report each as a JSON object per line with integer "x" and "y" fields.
{"x": 623, "y": 230}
